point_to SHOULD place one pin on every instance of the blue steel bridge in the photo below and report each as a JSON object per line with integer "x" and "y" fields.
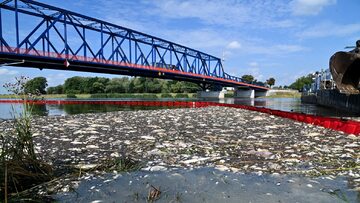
{"x": 37, "y": 35}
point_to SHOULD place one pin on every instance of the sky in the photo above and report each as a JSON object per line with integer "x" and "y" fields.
{"x": 284, "y": 39}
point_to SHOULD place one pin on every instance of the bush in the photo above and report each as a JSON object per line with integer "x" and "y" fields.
{"x": 148, "y": 96}
{"x": 100, "y": 95}
{"x": 181, "y": 95}
{"x": 122, "y": 95}
{"x": 229, "y": 94}
{"x": 71, "y": 96}
{"x": 166, "y": 95}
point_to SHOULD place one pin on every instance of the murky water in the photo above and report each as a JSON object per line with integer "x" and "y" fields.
{"x": 210, "y": 185}
{"x": 285, "y": 104}
{"x": 292, "y": 104}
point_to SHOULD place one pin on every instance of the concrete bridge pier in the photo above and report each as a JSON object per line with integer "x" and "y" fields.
{"x": 211, "y": 94}
{"x": 249, "y": 93}
{"x": 259, "y": 93}
{"x": 244, "y": 93}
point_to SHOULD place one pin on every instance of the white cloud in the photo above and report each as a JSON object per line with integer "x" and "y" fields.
{"x": 258, "y": 47}
{"x": 287, "y": 48}
{"x": 56, "y": 79}
{"x": 4, "y": 71}
{"x": 309, "y": 7}
{"x": 252, "y": 69}
{"x": 255, "y": 71}
{"x": 232, "y": 13}
{"x": 234, "y": 45}
{"x": 330, "y": 30}
{"x": 205, "y": 40}
{"x": 253, "y": 64}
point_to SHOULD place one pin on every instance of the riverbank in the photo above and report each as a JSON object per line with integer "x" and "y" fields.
{"x": 229, "y": 94}
{"x": 228, "y": 139}
{"x": 273, "y": 93}
{"x": 284, "y": 94}
{"x": 111, "y": 95}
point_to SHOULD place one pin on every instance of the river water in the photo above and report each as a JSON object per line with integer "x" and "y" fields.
{"x": 209, "y": 185}
{"x": 285, "y": 104}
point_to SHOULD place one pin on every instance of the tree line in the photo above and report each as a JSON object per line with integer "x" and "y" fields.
{"x": 251, "y": 79}
{"x": 99, "y": 85}
{"x": 302, "y": 81}
{"x": 96, "y": 85}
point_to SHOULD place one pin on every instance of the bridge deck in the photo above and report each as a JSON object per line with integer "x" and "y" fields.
{"x": 51, "y": 60}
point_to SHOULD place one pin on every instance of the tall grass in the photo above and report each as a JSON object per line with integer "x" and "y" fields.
{"x": 20, "y": 168}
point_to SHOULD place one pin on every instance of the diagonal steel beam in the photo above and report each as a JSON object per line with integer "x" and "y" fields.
{"x": 44, "y": 32}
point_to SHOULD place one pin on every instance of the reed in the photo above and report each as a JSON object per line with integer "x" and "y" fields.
{"x": 20, "y": 168}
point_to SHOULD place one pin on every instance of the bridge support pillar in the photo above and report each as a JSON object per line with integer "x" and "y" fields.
{"x": 211, "y": 94}
{"x": 244, "y": 93}
{"x": 261, "y": 93}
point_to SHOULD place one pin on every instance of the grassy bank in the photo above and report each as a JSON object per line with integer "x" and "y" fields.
{"x": 230, "y": 94}
{"x": 285, "y": 95}
{"x": 112, "y": 95}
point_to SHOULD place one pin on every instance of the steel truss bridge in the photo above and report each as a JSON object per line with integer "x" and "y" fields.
{"x": 37, "y": 35}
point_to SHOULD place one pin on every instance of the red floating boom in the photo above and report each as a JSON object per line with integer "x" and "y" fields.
{"x": 347, "y": 126}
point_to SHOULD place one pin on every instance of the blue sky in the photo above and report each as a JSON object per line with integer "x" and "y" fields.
{"x": 283, "y": 39}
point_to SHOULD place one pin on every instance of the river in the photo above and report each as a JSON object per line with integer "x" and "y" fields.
{"x": 285, "y": 104}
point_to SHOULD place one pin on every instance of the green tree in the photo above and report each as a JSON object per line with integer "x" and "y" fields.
{"x": 131, "y": 87}
{"x": 300, "y": 82}
{"x": 36, "y": 84}
{"x": 153, "y": 85}
{"x": 165, "y": 88}
{"x": 176, "y": 87}
{"x": 248, "y": 78}
{"x": 117, "y": 85}
{"x": 55, "y": 90}
{"x": 139, "y": 85}
{"x": 97, "y": 87}
{"x": 270, "y": 81}
{"x": 74, "y": 85}
{"x": 91, "y": 85}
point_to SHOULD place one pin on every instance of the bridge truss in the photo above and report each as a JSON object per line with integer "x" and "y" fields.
{"x": 45, "y": 36}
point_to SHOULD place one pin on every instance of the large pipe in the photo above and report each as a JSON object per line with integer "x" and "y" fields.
{"x": 345, "y": 69}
